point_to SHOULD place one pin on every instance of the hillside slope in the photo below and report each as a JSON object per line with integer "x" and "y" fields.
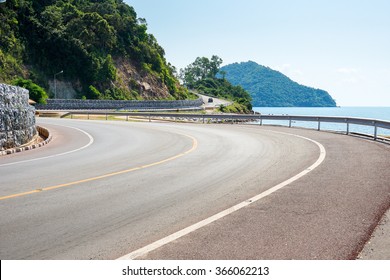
{"x": 270, "y": 88}
{"x": 102, "y": 47}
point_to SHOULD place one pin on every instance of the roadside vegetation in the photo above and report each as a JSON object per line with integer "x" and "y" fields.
{"x": 102, "y": 46}
{"x": 36, "y": 93}
{"x": 201, "y": 75}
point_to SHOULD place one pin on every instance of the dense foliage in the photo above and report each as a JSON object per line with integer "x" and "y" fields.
{"x": 83, "y": 38}
{"x": 201, "y": 76}
{"x": 36, "y": 93}
{"x": 270, "y": 88}
{"x": 202, "y": 68}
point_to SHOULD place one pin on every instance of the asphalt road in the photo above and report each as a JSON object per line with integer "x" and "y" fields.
{"x": 101, "y": 190}
{"x": 216, "y": 102}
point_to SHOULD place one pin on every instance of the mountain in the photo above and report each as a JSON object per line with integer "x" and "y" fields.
{"x": 270, "y": 88}
{"x": 97, "y": 49}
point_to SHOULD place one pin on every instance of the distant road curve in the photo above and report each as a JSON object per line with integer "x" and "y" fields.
{"x": 140, "y": 182}
{"x": 213, "y": 102}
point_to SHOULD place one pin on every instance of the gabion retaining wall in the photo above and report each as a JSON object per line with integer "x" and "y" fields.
{"x": 78, "y": 104}
{"x": 17, "y": 117}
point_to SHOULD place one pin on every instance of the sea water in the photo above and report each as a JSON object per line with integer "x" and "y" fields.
{"x": 378, "y": 113}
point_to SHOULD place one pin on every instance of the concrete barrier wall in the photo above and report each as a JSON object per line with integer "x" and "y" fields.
{"x": 78, "y": 104}
{"x": 17, "y": 117}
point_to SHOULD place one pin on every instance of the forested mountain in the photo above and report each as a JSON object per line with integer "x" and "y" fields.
{"x": 101, "y": 46}
{"x": 270, "y": 88}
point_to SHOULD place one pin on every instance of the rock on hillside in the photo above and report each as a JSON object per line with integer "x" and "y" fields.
{"x": 143, "y": 84}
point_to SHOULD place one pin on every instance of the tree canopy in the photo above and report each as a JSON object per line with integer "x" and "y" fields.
{"x": 82, "y": 36}
{"x": 36, "y": 93}
{"x": 202, "y": 68}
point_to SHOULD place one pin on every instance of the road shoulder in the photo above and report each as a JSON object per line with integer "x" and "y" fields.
{"x": 378, "y": 247}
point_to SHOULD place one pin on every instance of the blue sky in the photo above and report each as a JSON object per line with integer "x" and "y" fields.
{"x": 340, "y": 46}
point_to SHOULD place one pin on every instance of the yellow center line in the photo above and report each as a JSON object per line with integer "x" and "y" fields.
{"x": 194, "y": 146}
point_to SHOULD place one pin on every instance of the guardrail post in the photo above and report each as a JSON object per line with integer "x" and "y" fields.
{"x": 203, "y": 118}
{"x": 375, "y": 131}
{"x": 319, "y": 124}
{"x": 260, "y": 120}
{"x": 71, "y": 116}
{"x": 127, "y": 118}
{"x": 88, "y": 116}
{"x": 289, "y": 123}
{"x": 106, "y": 116}
{"x": 347, "y": 121}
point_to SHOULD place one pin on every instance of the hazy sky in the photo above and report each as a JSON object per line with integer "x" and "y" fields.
{"x": 337, "y": 45}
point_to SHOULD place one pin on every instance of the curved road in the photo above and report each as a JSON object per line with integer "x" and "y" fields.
{"x": 101, "y": 190}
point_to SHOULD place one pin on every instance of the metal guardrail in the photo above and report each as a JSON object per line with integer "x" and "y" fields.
{"x": 248, "y": 118}
{"x": 343, "y": 120}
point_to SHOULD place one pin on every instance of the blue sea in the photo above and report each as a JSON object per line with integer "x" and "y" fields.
{"x": 378, "y": 113}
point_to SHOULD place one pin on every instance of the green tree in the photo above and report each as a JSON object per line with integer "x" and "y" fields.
{"x": 93, "y": 93}
{"x": 108, "y": 70}
{"x": 200, "y": 69}
{"x": 36, "y": 93}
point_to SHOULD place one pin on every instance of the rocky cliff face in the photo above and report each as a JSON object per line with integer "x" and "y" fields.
{"x": 17, "y": 117}
{"x": 140, "y": 84}
{"x": 145, "y": 85}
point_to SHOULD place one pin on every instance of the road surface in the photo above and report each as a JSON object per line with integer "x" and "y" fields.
{"x": 101, "y": 190}
{"x": 215, "y": 103}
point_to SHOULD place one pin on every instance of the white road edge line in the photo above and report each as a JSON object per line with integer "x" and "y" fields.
{"x": 159, "y": 243}
{"x": 57, "y": 155}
